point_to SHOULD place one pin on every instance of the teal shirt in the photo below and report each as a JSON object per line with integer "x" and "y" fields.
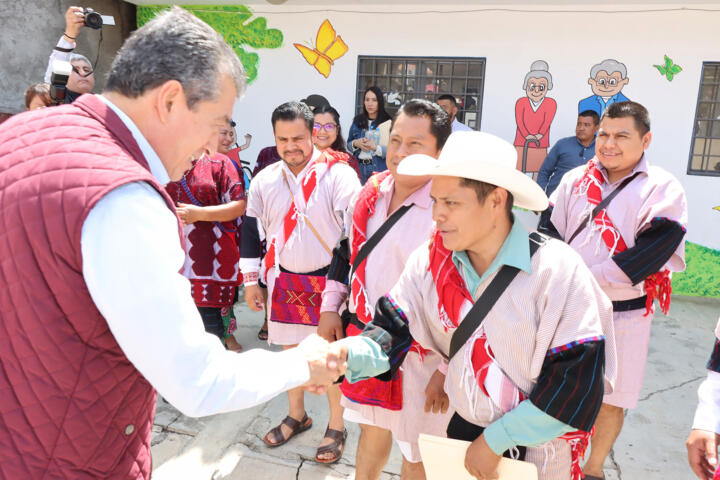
{"x": 526, "y": 424}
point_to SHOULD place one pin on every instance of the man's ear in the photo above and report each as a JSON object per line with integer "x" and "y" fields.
{"x": 169, "y": 97}
{"x": 624, "y": 81}
{"x": 592, "y": 82}
{"x": 647, "y": 138}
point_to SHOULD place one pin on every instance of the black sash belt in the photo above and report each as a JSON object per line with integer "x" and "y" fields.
{"x": 321, "y": 272}
{"x": 348, "y": 318}
{"x": 628, "y": 305}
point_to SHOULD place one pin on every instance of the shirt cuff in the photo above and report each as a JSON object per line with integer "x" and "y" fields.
{"x": 443, "y": 367}
{"x": 524, "y": 425}
{"x": 250, "y": 265}
{"x": 365, "y": 358}
{"x": 296, "y": 366}
{"x": 333, "y": 296}
{"x": 378, "y": 151}
{"x": 707, "y": 415}
{"x": 62, "y": 43}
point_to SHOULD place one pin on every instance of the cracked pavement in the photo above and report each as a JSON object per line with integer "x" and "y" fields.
{"x": 651, "y": 446}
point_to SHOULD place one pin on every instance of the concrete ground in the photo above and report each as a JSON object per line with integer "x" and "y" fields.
{"x": 651, "y": 445}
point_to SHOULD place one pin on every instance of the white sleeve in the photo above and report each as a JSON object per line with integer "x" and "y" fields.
{"x": 131, "y": 262}
{"x": 707, "y": 415}
{"x": 58, "y": 55}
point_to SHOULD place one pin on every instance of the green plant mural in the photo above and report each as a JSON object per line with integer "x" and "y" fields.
{"x": 701, "y": 278}
{"x": 234, "y": 23}
{"x": 669, "y": 69}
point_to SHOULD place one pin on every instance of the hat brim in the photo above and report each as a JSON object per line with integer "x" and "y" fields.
{"x": 526, "y": 193}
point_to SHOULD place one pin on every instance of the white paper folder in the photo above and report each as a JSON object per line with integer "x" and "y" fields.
{"x": 444, "y": 458}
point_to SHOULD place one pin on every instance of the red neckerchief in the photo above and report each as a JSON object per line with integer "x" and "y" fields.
{"x": 656, "y": 285}
{"x": 308, "y": 185}
{"x": 364, "y": 209}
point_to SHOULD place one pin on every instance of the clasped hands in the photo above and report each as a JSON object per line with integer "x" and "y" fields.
{"x": 326, "y": 361}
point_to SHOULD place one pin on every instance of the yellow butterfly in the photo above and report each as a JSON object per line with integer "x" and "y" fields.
{"x": 328, "y": 48}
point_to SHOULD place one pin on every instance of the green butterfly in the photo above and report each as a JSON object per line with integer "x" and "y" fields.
{"x": 669, "y": 70}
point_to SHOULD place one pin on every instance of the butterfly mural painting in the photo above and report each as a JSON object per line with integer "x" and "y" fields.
{"x": 670, "y": 69}
{"x": 328, "y": 48}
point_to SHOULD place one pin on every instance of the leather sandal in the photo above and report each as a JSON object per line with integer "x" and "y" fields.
{"x": 295, "y": 428}
{"x": 593, "y": 477}
{"x": 336, "y": 447}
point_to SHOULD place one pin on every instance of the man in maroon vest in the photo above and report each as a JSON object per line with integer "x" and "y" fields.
{"x": 94, "y": 314}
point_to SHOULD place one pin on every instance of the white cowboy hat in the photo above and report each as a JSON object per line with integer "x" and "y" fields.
{"x": 483, "y": 157}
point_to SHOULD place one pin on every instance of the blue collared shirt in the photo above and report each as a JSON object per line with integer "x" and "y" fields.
{"x": 566, "y": 154}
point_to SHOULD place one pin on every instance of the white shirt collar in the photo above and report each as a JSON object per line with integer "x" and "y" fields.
{"x": 157, "y": 169}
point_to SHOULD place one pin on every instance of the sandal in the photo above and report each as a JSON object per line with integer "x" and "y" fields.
{"x": 295, "y": 428}
{"x": 263, "y": 334}
{"x": 336, "y": 447}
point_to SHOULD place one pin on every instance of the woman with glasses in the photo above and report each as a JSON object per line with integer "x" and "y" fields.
{"x": 328, "y": 134}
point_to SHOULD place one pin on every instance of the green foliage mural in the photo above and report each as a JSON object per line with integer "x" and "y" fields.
{"x": 234, "y": 23}
{"x": 669, "y": 69}
{"x": 701, "y": 278}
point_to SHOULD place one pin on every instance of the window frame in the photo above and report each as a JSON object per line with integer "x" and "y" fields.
{"x": 405, "y": 59}
{"x": 693, "y": 138}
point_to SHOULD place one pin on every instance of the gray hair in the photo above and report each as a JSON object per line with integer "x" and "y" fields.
{"x": 610, "y": 66}
{"x": 76, "y": 56}
{"x": 538, "y": 69}
{"x": 175, "y": 45}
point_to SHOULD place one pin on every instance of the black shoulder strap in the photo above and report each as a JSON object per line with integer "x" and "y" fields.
{"x": 489, "y": 297}
{"x": 600, "y": 206}
{"x": 377, "y": 236}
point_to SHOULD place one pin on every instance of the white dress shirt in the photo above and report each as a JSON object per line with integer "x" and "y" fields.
{"x": 132, "y": 257}
{"x": 58, "y": 55}
{"x": 459, "y": 127}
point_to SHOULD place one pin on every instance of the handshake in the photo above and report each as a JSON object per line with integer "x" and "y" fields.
{"x": 326, "y": 362}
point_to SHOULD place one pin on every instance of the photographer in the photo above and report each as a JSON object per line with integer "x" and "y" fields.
{"x": 82, "y": 79}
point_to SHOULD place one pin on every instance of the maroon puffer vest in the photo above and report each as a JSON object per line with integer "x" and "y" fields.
{"x": 71, "y": 404}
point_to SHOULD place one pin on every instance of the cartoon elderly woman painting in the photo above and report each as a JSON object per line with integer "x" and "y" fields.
{"x": 533, "y": 114}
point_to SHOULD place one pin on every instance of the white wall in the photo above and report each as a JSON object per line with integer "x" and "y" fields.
{"x": 570, "y": 42}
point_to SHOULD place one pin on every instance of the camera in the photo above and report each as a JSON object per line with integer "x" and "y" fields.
{"x": 58, "y": 81}
{"x": 92, "y": 19}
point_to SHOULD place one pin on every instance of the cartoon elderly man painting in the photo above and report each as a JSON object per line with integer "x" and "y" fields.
{"x": 607, "y": 80}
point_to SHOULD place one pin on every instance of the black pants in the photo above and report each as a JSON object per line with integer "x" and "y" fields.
{"x": 461, "y": 429}
{"x": 213, "y": 321}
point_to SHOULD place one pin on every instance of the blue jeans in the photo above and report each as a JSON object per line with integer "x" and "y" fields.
{"x": 377, "y": 164}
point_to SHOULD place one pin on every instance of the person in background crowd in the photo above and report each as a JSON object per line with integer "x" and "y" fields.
{"x": 630, "y": 246}
{"x": 315, "y": 101}
{"x": 449, "y": 104}
{"x": 210, "y": 197}
{"x": 298, "y": 203}
{"x": 569, "y": 152}
{"x": 82, "y": 78}
{"x": 370, "y": 155}
{"x": 265, "y": 158}
{"x": 38, "y": 96}
{"x": 702, "y": 443}
{"x": 94, "y": 261}
{"x": 414, "y": 403}
{"x": 327, "y": 133}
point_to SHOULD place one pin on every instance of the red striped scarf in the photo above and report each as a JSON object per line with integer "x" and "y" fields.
{"x": 656, "y": 285}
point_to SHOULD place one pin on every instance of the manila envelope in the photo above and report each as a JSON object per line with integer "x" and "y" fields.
{"x": 444, "y": 458}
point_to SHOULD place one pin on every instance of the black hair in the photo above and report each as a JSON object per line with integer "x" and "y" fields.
{"x": 362, "y": 120}
{"x": 290, "y": 111}
{"x": 482, "y": 190}
{"x": 339, "y": 144}
{"x": 447, "y": 96}
{"x": 630, "y": 109}
{"x": 590, "y": 113}
{"x": 439, "y": 119}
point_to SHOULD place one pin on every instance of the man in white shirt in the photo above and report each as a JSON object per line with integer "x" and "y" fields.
{"x": 449, "y": 104}
{"x": 96, "y": 315}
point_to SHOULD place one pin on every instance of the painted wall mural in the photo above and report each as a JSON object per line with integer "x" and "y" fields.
{"x": 669, "y": 69}
{"x": 534, "y": 114}
{"x": 236, "y": 24}
{"x": 328, "y": 47}
{"x": 607, "y": 79}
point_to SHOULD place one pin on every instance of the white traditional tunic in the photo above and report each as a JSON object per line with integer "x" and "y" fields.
{"x": 652, "y": 197}
{"x": 269, "y": 200}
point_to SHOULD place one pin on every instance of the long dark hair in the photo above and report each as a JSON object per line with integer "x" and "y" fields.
{"x": 339, "y": 144}
{"x": 362, "y": 120}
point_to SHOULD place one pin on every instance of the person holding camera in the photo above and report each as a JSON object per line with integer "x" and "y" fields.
{"x": 81, "y": 79}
